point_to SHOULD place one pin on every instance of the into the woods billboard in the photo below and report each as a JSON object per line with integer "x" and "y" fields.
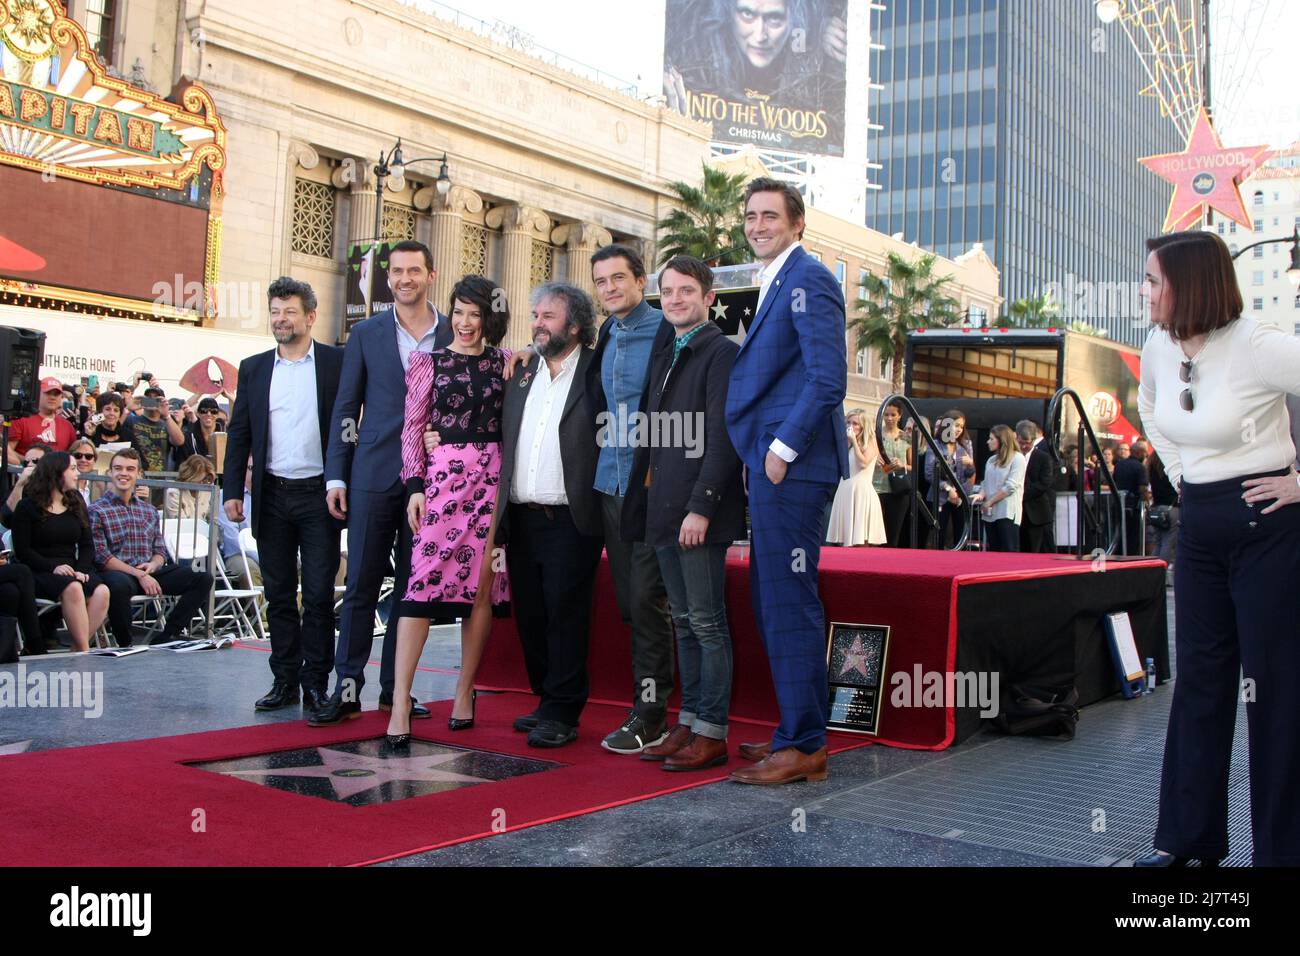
{"x": 766, "y": 72}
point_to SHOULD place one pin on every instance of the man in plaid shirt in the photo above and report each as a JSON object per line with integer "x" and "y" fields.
{"x": 132, "y": 556}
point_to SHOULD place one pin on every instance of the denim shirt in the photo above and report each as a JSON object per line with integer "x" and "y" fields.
{"x": 623, "y": 369}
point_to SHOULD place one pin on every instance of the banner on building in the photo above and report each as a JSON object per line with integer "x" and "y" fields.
{"x": 368, "y": 291}
{"x": 770, "y": 73}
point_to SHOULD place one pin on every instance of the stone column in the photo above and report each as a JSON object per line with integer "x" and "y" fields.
{"x": 520, "y": 226}
{"x": 581, "y": 239}
{"x": 446, "y": 213}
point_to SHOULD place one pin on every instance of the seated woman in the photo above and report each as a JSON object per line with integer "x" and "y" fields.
{"x": 83, "y": 453}
{"x": 52, "y": 537}
{"x": 182, "y": 503}
{"x": 18, "y": 600}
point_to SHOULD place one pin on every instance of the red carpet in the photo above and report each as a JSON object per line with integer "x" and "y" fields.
{"x": 915, "y": 593}
{"x": 135, "y": 803}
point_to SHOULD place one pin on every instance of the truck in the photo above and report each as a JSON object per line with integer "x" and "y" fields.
{"x": 999, "y": 376}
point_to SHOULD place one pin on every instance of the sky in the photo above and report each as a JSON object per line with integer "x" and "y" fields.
{"x": 1253, "y": 45}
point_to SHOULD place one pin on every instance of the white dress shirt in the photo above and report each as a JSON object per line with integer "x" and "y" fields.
{"x": 293, "y": 426}
{"x": 1239, "y": 423}
{"x": 539, "y": 463}
{"x": 766, "y": 276}
{"x": 406, "y": 343}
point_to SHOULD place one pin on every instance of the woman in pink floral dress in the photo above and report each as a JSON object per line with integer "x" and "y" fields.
{"x": 458, "y": 392}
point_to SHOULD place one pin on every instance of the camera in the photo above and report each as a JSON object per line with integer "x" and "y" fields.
{"x": 150, "y": 403}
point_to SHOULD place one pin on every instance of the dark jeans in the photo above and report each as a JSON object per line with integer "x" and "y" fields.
{"x": 176, "y": 580}
{"x": 552, "y": 569}
{"x": 697, "y": 593}
{"x": 376, "y": 526}
{"x": 1037, "y": 538}
{"x": 643, "y": 603}
{"x": 1236, "y": 604}
{"x": 18, "y": 600}
{"x": 952, "y": 522}
{"x": 1002, "y": 535}
{"x": 294, "y": 520}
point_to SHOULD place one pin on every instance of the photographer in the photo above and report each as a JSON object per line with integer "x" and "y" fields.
{"x": 156, "y": 430}
{"x": 110, "y": 426}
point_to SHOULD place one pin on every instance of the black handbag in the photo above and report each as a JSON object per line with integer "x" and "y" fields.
{"x": 1161, "y": 518}
{"x": 900, "y": 481}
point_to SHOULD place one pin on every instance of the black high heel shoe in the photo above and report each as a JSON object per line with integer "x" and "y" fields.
{"x": 399, "y": 741}
{"x": 463, "y": 723}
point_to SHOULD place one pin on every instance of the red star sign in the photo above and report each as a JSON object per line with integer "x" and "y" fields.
{"x": 1205, "y": 174}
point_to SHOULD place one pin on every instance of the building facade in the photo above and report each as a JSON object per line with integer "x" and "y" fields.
{"x": 545, "y": 165}
{"x": 1272, "y": 197}
{"x": 985, "y": 107}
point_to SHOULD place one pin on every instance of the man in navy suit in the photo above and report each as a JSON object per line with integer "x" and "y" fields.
{"x": 785, "y": 416}
{"x": 282, "y": 416}
{"x": 363, "y": 471}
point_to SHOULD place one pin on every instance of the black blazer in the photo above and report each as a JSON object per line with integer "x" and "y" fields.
{"x": 1041, "y": 480}
{"x": 709, "y": 484}
{"x": 577, "y": 444}
{"x": 250, "y": 418}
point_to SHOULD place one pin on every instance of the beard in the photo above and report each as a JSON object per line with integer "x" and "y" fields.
{"x": 555, "y": 345}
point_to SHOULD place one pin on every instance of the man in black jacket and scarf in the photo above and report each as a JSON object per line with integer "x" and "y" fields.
{"x": 686, "y": 500}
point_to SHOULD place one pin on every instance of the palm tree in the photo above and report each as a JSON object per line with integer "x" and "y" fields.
{"x": 1034, "y": 312}
{"x": 709, "y": 222}
{"x": 907, "y": 297}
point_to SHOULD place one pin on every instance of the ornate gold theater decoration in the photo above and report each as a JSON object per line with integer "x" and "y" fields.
{"x": 63, "y": 116}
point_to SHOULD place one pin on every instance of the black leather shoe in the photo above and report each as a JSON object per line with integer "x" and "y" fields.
{"x": 314, "y": 700}
{"x": 1158, "y": 858}
{"x": 551, "y": 733}
{"x": 418, "y": 710}
{"x": 282, "y": 695}
{"x": 526, "y": 723}
{"x": 334, "y": 712}
{"x": 465, "y": 723}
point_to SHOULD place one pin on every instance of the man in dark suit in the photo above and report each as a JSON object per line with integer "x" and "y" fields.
{"x": 363, "y": 471}
{"x": 281, "y": 416}
{"x": 1042, "y": 476}
{"x": 785, "y": 415}
{"x": 552, "y": 526}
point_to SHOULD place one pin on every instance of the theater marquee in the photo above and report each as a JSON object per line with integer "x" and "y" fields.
{"x": 86, "y": 159}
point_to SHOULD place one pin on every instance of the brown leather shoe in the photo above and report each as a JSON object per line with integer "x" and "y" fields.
{"x": 700, "y": 753}
{"x": 755, "y": 752}
{"x": 677, "y": 738}
{"x": 784, "y": 766}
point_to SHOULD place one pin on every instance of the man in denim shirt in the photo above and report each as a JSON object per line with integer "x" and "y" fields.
{"x": 631, "y": 333}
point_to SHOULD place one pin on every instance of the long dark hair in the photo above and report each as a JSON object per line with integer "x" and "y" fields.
{"x": 47, "y": 481}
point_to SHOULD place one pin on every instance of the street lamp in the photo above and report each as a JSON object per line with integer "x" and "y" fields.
{"x": 393, "y": 164}
{"x": 1293, "y": 270}
{"x": 1108, "y": 10}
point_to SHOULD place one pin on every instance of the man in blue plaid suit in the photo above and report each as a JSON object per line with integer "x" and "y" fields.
{"x": 785, "y": 416}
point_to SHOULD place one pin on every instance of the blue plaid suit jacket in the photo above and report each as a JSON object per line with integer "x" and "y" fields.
{"x": 791, "y": 375}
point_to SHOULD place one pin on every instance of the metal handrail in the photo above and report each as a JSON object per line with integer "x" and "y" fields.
{"x": 920, "y": 431}
{"x": 1085, "y": 432}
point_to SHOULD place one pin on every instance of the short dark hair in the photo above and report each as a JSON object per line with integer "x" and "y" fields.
{"x": 578, "y": 308}
{"x": 620, "y": 251}
{"x": 412, "y": 245}
{"x": 490, "y": 299}
{"x": 129, "y": 453}
{"x": 692, "y": 268}
{"x": 287, "y": 287}
{"x": 1199, "y": 274}
{"x": 794, "y": 207}
{"x": 111, "y": 398}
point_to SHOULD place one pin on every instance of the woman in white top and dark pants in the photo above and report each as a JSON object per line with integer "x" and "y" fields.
{"x": 1003, "y": 491}
{"x": 1212, "y": 399}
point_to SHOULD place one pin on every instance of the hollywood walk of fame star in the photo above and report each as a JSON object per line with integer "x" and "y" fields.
{"x": 855, "y": 659}
{"x": 351, "y": 774}
{"x": 1205, "y": 175}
